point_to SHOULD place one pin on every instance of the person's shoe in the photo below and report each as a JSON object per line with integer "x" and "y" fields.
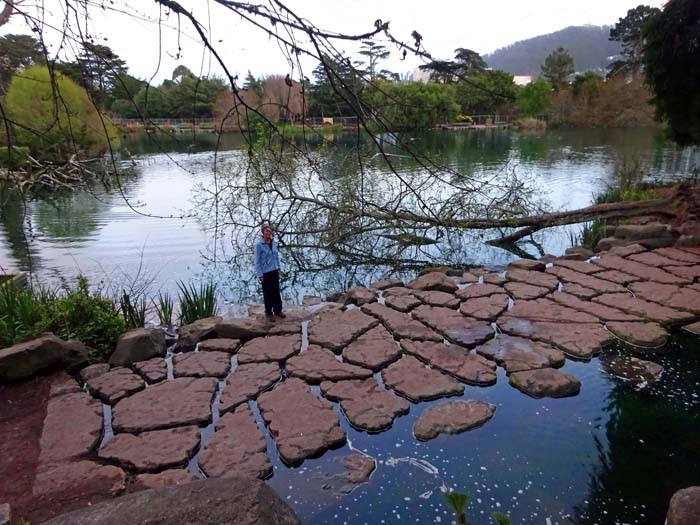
{"x": 282, "y": 315}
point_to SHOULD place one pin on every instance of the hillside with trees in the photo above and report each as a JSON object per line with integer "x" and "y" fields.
{"x": 589, "y": 46}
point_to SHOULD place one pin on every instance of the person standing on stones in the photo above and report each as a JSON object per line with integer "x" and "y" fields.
{"x": 267, "y": 268}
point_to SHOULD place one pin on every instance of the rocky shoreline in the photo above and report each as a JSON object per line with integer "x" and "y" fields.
{"x": 165, "y": 413}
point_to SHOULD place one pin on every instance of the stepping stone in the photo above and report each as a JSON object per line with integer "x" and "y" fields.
{"x": 286, "y": 328}
{"x": 579, "y": 291}
{"x": 602, "y": 312}
{"x": 494, "y": 278}
{"x": 274, "y": 348}
{"x": 576, "y": 340}
{"x": 656, "y": 259}
{"x": 89, "y": 479}
{"x": 402, "y": 303}
{"x": 167, "y": 478}
{"x": 359, "y": 467}
{"x": 693, "y": 328}
{"x": 399, "y": 291}
{"x": 647, "y": 335}
{"x": 190, "y": 334}
{"x": 336, "y": 329}
{"x": 237, "y": 448}
{"x": 385, "y": 284}
{"x": 154, "y": 370}
{"x": 241, "y": 328}
{"x": 415, "y": 381}
{"x": 247, "y": 382}
{"x": 541, "y": 279}
{"x": 548, "y": 311}
{"x": 485, "y": 308}
{"x": 668, "y": 295}
{"x": 468, "y": 277}
{"x": 402, "y": 325}
{"x": 453, "y": 359}
{"x": 577, "y": 266}
{"x": 678, "y": 255}
{"x": 452, "y": 418}
{"x": 524, "y": 291}
{"x": 623, "y": 279}
{"x": 645, "y": 272}
{"x": 454, "y": 326}
{"x": 478, "y": 290}
{"x": 116, "y": 384}
{"x": 527, "y": 264}
{"x": 434, "y": 281}
{"x": 360, "y": 295}
{"x": 646, "y": 309}
{"x": 636, "y": 372}
{"x": 92, "y": 371}
{"x": 182, "y": 401}
{"x": 201, "y": 364}
{"x": 545, "y": 382}
{"x": 625, "y": 251}
{"x": 319, "y": 364}
{"x": 433, "y": 298}
{"x": 152, "y": 451}
{"x": 220, "y": 345}
{"x": 374, "y": 349}
{"x": 366, "y": 405}
{"x": 689, "y": 273}
{"x": 516, "y": 354}
{"x": 302, "y": 425}
{"x": 588, "y": 281}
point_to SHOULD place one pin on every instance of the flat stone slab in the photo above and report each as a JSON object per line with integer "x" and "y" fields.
{"x": 688, "y": 273}
{"x": 247, "y": 382}
{"x": 485, "y": 308}
{"x": 624, "y": 251}
{"x": 577, "y": 340}
{"x": 516, "y": 354}
{"x": 402, "y": 303}
{"x": 656, "y": 259}
{"x": 92, "y": 371}
{"x": 541, "y": 279}
{"x": 303, "y": 425}
{"x": 578, "y": 266}
{"x": 693, "y": 328}
{"x": 678, "y": 255}
{"x": 434, "y": 298}
{"x": 602, "y": 312}
{"x": 336, "y": 329}
{"x": 320, "y": 364}
{"x": 478, "y": 290}
{"x": 275, "y": 348}
{"x": 645, "y": 272}
{"x": 115, "y": 385}
{"x": 454, "y": 360}
{"x": 167, "y": 478}
{"x": 468, "y": 277}
{"x": 366, "y": 405}
{"x": 222, "y": 344}
{"x": 648, "y": 335}
{"x": 243, "y": 328}
{"x": 374, "y": 349}
{"x": 494, "y": 278}
{"x": 579, "y": 291}
{"x": 684, "y": 508}
{"x": 548, "y": 311}
{"x": 452, "y": 418}
{"x": 588, "y": 281}
{"x": 677, "y": 297}
{"x": 385, "y": 284}
{"x": 360, "y": 295}
{"x": 454, "y": 326}
{"x": 545, "y": 382}
{"x": 180, "y": 402}
{"x": 237, "y": 448}
{"x": 239, "y": 501}
{"x": 152, "y": 451}
{"x": 86, "y": 478}
{"x": 636, "y": 372}
{"x": 201, "y": 364}
{"x": 646, "y": 309}
{"x": 190, "y": 334}
{"x": 524, "y": 291}
{"x": 623, "y": 279}
{"x": 417, "y": 382}
{"x": 433, "y": 281}
{"x": 403, "y": 325}
{"x": 154, "y": 370}
{"x": 527, "y": 264}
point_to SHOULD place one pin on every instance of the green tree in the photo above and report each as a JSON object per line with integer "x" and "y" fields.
{"x": 486, "y": 92}
{"x": 17, "y": 52}
{"x": 339, "y": 94}
{"x": 587, "y": 85}
{"x": 535, "y": 98}
{"x": 54, "y": 116}
{"x": 629, "y": 31}
{"x": 257, "y": 85}
{"x": 558, "y": 67}
{"x": 413, "y": 105}
{"x": 469, "y": 62}
{"x": 672, "y": 68}
{"x": 374, "y": 53}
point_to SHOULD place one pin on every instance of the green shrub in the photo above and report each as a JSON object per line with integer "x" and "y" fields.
{"x": 196, "y": 303}
{"x": 465, "y": 118}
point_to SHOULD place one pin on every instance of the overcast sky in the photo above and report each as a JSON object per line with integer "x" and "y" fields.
{"x": 445, "y": 25}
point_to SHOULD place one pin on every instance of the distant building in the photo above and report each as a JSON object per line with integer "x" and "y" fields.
{"x": 522, "y": 80}
{"x": 420, "y": 75}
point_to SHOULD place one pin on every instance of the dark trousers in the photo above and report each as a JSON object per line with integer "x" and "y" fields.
{"x": 271, "y": 292}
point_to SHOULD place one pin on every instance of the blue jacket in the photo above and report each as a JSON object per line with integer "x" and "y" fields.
{"x": 266, "y": 257}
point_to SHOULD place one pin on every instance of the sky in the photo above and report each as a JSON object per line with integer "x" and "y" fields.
{"x": 153, "y": 50}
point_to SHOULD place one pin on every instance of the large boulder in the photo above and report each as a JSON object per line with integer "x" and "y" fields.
{"x": 138, "y": 345}
{"x": 434, "y": 281}
{"x": 360, "y": 295}
{"x": 684, "y": 508}
{"x": 233, "y": 501}
{"x": 24, "y": 360}
{"x": 190, "y": 334}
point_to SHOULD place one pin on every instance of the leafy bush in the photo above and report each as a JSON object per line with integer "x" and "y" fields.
{"x": 465, "y": 118}
{"x": 196, "y": 303}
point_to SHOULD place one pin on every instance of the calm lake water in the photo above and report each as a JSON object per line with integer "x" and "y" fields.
{"x": 610, "y": 455}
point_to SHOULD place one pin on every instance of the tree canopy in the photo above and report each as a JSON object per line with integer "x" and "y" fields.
{"x": 629, "y": 31}
{"x": 558, "y": 67}
{"x": 16, "y": 52}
